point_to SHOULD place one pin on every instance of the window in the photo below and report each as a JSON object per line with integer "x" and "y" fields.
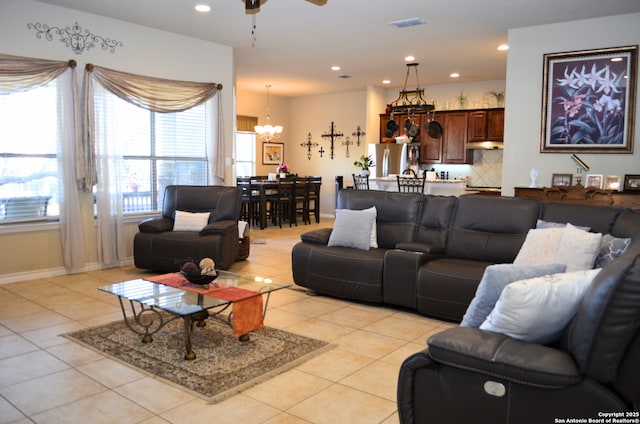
{"x": 154, "y": 149}
{"x": 29, "y": 184}
{"x": 245, "y": 153}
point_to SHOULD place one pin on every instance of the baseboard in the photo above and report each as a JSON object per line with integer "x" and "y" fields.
{"x": 52, "y": 272}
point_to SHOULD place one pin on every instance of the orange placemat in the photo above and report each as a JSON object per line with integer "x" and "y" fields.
{"x": 247, "y": 304}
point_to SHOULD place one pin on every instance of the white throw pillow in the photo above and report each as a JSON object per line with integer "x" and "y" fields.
{"x": 540, "y": 246}
{"x": 352, "y": 228}
{"x": 538, "y": 309}
{"x": 578, "y": 249}
{"x": 374, "y": 228}
{"x": 190, "y": 221}
{"x": 494, "y": 280}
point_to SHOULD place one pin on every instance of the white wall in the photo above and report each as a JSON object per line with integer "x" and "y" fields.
{"x": 145, "y": 51}
{"x": 523, "y": 111}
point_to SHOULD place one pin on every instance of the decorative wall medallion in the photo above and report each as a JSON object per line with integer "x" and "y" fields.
{"x": 75, "y": 37}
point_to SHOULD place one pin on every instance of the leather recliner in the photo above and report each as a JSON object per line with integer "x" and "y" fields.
{"x": 467, "y": 375}
{"x": 157, "y": 247}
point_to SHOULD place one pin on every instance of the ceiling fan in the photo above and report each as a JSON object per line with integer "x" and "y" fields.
{"x": 253, "y": 6}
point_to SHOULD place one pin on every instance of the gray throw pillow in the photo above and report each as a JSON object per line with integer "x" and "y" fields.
{"x": 610, "y": 248}
{"x": 497, "y": 277}
{"x": 352, "y": 228}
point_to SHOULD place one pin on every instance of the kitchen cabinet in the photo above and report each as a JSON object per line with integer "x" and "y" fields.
{"x": 459, "y": 127}
{"x": 400, "y": 119}
{"x": 454, "y": 138}
{"x": 486, "y": 125}
{"x": 431, "y": 148}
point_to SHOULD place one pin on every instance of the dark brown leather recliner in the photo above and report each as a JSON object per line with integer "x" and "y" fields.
{"x": 467, "y": 375}
{"x": 156, "y": 247}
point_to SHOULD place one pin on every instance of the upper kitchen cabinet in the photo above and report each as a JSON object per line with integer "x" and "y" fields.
{"x": 431, "y": 148}
{"x": 486, "y": 125}
{"x": 454, "y": 138}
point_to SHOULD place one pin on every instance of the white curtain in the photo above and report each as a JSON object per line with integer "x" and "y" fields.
{"x": 101, "y": 160}
{"x": 21, "y": 74}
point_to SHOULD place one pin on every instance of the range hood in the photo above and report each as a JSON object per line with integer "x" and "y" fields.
{"x": 485, "y": 145}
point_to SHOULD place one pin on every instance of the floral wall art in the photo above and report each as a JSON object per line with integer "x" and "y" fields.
{"x": 589, "y": 101}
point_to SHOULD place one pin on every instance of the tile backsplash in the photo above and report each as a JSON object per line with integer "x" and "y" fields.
{"x": 487, "y": 168}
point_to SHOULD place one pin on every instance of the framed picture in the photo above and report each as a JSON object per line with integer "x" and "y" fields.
{"x": 594, "y": 180}
{"x": 612, "y": 182}
{"x": 561, "y": 180}
{"x": 632, "y": 182}
{"x": 588, "y": 101}
{"x": 272, "y": 153}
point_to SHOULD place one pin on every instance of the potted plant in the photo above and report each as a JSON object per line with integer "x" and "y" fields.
{"x": 283, "y": 170}
{"x": 364, "y": 163}
{"x": 499, "y": 96}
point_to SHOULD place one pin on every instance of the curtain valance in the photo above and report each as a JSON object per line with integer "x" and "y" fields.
{"x": 25, "y": 73}
{"x": 155, "y": 94}
{"x": 246, "y": 123}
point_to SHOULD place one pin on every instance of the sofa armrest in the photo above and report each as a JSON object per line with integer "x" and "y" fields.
{"x": 501, "y": 356}
{"x": 157, "y": 224}
{"x": 220, "y": 228}
{"x": 420, "y": 247}
{"x": 319, "y": 236}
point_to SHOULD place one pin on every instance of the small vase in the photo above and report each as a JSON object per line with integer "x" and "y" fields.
{"x": 365, "y": 173}
{"x": 283, "y": 175}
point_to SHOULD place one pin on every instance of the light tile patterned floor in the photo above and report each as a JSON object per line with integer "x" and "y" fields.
{"x": 44, "y": 378}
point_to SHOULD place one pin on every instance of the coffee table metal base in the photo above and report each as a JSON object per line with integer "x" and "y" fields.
{"x": 148, "y": 320}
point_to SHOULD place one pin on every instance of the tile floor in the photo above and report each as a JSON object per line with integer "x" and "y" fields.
{"x": 45, "y": 378}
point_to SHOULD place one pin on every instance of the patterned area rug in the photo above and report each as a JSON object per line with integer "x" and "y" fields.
{"x": 224, "y": 366}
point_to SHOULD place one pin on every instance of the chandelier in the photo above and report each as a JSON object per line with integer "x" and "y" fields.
{"x": 268, "y": 132}
{"x": 411, "y": 100}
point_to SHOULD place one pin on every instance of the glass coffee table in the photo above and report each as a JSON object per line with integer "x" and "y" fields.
{"x": 147, "y": 299}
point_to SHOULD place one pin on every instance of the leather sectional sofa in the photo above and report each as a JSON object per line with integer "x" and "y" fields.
{"x": 433, "y": 249}
{"x": 159, "y": 247}
{"x": 431, "y": 257}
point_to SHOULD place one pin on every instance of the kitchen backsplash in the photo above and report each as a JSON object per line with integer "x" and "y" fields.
{"x": 487, "y": 168}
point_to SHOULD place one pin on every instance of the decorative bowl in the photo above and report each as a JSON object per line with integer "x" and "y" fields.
{"x": 196, "y": 278}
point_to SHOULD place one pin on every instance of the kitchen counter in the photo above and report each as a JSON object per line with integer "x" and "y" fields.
{"x": 438, "y": 187}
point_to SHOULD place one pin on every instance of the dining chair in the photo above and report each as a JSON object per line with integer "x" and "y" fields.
{"x": 312, "y": 192}
{"x": 360, "y": 182}
{"x": 410, "y": 184}
{"x": 250, "y": 204}
{"x": 283, "y": 201}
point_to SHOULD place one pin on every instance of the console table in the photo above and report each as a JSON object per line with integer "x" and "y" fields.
{"x": 581, "y": 195}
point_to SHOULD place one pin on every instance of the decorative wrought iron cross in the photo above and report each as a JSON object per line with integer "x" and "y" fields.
{"x": 358, "y": 133}
{"x": 309, "y": 144}
{"x": 332, "y": 135}
{"x": 347, "y": 143}
{"x": 321, "y": 151}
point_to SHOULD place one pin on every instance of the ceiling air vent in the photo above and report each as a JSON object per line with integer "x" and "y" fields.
{"x": 344, "y": 76}
{"x": 407, "y": 22}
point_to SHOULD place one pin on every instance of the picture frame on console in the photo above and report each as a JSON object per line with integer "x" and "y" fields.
{"x": 632, "y": 182}
{"x": 594, "y": 180}
{"x": 561, "y": 180}
{"x": 588, "y": 101}
{"x": 272, "y": 153}
{"x": 612, "y": 182}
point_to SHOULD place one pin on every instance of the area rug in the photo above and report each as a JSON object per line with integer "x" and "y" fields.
{"x": 224, "y": 366}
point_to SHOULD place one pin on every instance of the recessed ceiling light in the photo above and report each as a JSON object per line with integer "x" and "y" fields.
{"x": 203, "y": 8}
{"x": 386, "y": 81}
{"x": 503, "y": 47}
{"x": 409, "y": 58}
{"x": 335, "y": 68}
{"x": 454, "y": 75}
